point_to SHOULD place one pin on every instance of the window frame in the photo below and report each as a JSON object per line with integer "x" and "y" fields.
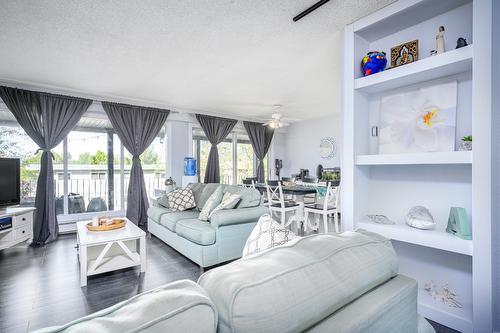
{"x": 232, "y": 138}
{"x": 66, "y": 218}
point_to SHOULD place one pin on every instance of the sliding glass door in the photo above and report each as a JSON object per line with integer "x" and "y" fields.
{"x": 237, "y": 160}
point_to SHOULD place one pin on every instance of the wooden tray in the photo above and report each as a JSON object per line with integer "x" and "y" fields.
{"x": 115, "y": 225}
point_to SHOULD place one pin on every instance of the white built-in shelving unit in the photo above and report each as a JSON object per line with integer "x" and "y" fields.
{"x": 390, "y": 184}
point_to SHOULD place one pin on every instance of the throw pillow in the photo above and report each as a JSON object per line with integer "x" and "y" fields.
{"x": 266, "y": 235}
{"x": 229, "y": 201}
{"x": 181, "y": 199}
{"x": 211, "y": 203}
{"x": 163, "y": 201}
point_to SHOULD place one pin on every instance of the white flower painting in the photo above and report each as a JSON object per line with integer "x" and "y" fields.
{"x": 420, "y": 120}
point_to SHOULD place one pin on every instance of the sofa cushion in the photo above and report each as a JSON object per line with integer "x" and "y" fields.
{"x": 250, "y": 197}
{"x": 196, "y": 231}
{"x": 170, "y": 220}
{"x": 211, "y": 203}
{"x": 155, "y": 213}
{"x": 181, "y": 199}
{"x": 197, "y": 189}
{"x": 208, "y": 190}
{"x": 163, "y": 201}
{"x": 170, "y": 308}
{"x": 294, "y": 286}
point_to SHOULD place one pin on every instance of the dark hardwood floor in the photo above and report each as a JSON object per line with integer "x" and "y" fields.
{"x": 40, "y": 287}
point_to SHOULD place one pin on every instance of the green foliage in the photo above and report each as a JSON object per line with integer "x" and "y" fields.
{"x": 467, "y": 138}
{"x": 9, "y": 141}
{"x": 99, "y": 157}
{"x": 150, "y": 156}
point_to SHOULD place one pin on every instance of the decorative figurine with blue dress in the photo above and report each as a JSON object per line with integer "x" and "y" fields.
{"x": 373, "y": 62}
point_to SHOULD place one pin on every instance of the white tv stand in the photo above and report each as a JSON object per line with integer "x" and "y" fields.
{"x": 22, "y": 226}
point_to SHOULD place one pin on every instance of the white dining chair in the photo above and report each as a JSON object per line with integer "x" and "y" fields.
{"x": 250, "y": 183}
{"x": 328, "y": 207}
{"x": 278, "y": 204}
{"x": 310, "y": 182}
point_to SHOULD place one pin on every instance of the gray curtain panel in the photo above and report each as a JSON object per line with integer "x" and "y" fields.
{"x": 136, "y": 127}
{"x": 216, "y": 129}
{"x": 260, "y": 138}
{"x": 47, "y": 119}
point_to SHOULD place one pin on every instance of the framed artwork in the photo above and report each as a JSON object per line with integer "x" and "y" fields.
{"x": 327, "y": 148}
{"x": 404, "y": 54}
{"x": 419, "y": 120}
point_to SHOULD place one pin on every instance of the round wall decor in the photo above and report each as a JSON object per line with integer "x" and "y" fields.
{"x": 327, "y": 148}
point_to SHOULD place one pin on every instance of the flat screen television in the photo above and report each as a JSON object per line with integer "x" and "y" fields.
{"x": 10, "y": 188}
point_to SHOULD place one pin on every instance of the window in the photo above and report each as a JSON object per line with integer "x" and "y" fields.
{"x": 226, "y": 161}
{"x": 245, "y": 164}
{"x": 88, "y": 189}
{"x": 15, "y": 143}
{"x": 201, "y": 148}
{"x": 91, "y": 166}
{"x": 153, "y": 164}
{"x": 234, "y": 165}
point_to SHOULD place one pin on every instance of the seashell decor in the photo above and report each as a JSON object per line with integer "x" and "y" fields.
{"x": 419, "y": 217}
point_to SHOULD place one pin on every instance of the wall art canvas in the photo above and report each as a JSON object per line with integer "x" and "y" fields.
{"x": 404, "y": 54}
{"x": 419, "y": 120}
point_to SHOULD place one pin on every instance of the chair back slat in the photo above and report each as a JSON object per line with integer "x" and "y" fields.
{"x": 275, "y": 193}
{"x": 331, "y": 197}
{"x": 249, "y": 182}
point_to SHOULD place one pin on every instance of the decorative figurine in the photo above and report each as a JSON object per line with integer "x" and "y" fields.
{"x": 440, "y": 40}
{"x": 373, "y": 62}
{"x": 458, "y": 223}
{"x": 461, "y": 42}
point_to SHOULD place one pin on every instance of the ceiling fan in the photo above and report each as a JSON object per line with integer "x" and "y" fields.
{"x": 275, "y": 121}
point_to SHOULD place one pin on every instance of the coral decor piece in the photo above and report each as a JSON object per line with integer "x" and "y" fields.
{"x": 445, "y": 295}
{"x": 419, "y": 217}
{"x": 373, "y": 62}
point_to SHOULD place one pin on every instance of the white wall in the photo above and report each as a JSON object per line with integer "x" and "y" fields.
{"x": 496, "y": 167}
{"x": 179, "y": 145}
{"x": 299, "y": 146}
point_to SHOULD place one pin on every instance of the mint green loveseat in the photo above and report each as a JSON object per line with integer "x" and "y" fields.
{"x": 327, "y": 283}
{"x": 208, "y": 243}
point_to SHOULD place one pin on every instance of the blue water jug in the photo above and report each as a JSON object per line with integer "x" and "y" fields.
{"x": 189, "y": 166}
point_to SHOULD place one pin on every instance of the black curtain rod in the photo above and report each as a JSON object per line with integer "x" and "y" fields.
{"x": 310, "y": 9}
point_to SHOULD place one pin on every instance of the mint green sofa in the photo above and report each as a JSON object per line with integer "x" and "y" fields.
{"x": 208, "y": 243}
{"x": 329, "y": 283}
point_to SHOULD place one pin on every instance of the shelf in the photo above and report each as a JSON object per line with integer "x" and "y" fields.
{"x": 401, "y": 15}
{"x": 430, "y": 238}
{"x": 457, "y": 318}
{"x": 452, "y": 157}
{"x": 430, "y": 68}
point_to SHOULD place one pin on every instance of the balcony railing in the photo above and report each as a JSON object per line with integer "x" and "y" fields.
{"x": 88, "y": 194}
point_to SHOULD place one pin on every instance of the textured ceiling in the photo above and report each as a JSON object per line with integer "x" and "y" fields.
{"x": 227, "y": 57}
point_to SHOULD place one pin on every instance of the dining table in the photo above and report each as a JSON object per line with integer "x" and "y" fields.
{"x": 295, "y": 190}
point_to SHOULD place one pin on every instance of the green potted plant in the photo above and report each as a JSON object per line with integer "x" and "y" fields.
{"x": 466, "y": 143}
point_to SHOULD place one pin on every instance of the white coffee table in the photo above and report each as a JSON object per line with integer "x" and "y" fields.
{"x": 105, "y": 251}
